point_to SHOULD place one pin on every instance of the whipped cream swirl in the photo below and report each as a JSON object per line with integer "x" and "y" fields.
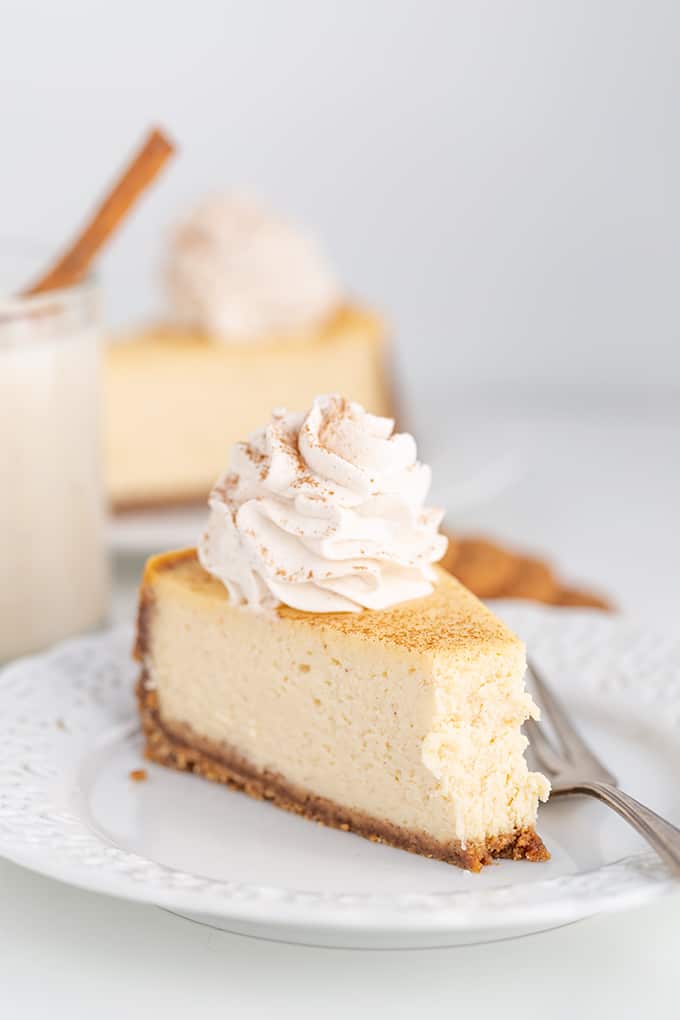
{"x": 324, "y": 512}
{"x": 243, "y": 274}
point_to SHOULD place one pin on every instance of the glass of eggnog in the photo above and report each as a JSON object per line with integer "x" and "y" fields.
{"x": 54, "y": 568}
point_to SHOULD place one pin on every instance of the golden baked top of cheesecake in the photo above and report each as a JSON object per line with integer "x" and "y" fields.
{"x": 450, "y": 619}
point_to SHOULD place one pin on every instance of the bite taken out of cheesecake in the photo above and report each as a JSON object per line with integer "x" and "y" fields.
{"x": 254, "y": 319}
{"x": 311, "y": 654}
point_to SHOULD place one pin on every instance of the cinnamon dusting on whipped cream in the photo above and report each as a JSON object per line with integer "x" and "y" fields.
{"x": 324, "y": 512}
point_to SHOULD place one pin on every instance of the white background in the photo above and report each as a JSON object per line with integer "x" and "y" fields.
{"x": 501, "y": 177}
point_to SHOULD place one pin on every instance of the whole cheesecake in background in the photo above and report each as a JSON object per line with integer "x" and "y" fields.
{"x": 311, "y": 654}
{"x": 256, "y": 319}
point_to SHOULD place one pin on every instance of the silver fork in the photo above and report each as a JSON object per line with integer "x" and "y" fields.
{"x": 573, "y": 768}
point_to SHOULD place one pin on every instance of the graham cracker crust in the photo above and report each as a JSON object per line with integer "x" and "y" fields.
{"x": 177, "y": 747}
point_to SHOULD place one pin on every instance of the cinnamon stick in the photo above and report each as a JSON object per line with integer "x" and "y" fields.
{"x": 73, "y": 265}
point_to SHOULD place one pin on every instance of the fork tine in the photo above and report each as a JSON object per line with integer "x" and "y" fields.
{"x": 543, "y": 750}
{"x": 573, "y": 744}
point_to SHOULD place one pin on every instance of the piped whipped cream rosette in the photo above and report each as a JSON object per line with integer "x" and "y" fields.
{"x": 325, "y": 512}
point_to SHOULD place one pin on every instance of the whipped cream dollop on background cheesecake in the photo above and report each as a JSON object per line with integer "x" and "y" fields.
{"x": 324, "y": 511}
{"x": 242, "y": 273}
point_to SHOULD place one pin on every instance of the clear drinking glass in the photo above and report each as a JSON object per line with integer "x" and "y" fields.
{"x": 53, "y": 562}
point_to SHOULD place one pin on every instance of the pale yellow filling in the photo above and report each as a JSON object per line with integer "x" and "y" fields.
{"x": 427, "y": 740}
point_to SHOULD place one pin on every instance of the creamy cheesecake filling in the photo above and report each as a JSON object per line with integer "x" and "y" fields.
{"x": 426, "y": 740}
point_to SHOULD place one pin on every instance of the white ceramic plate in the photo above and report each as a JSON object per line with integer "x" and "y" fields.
{"x": 68, "y": 739}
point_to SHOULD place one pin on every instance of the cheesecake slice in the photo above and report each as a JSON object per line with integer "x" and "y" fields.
{"x": 399, "y": 724}
{"x": 176, "y": 398}
{"x": 254, "y": 318}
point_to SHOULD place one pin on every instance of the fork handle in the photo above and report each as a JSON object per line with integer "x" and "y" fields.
{"x": 662, "y": 835}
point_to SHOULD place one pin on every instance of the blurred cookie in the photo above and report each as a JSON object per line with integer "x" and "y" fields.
{"x": 577, "y": 597}
{"x": 533, "y": 579}
{"x": 492, "y": 571}
{"x": 483, "y": 567}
